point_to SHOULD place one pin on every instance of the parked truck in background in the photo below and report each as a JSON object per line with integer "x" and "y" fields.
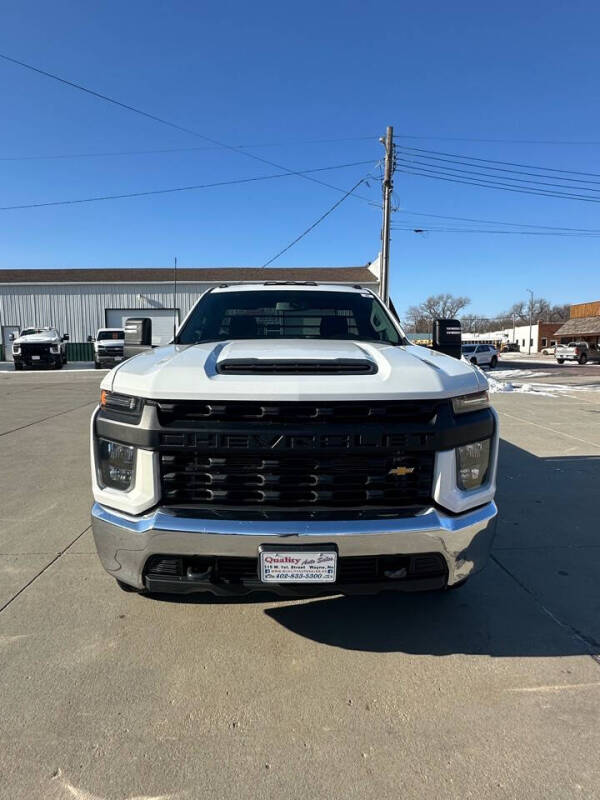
{"x": 108, "y": 347}
{"x": 39, "y": 347}
{"x": 582, "y": 352}
{"x": 291, "y": 439}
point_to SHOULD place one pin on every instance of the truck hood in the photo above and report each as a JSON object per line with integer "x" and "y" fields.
{"x": 189, "y": 372}
{"x": 37, "y": 338}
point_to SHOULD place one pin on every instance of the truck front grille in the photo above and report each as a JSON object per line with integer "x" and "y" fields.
{"x": 189, "y": 413}
{"x": 110, "y": 351}
{"x": 293, "y": 480}
{"x": 42, "y": 350}
{"x": 351, "y": 569}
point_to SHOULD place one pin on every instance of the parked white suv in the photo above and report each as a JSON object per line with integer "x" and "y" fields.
{"x": 484, "y": 355}
{"x": 292, "y": 439}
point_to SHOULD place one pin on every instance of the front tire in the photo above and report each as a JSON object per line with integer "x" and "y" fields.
{"x": 560, "y": 360}
{"x": 96, "y": 365}
{"x": 493, "y": 362}
{"x": 583, "y": 358}
{"x": 18, "y": 367}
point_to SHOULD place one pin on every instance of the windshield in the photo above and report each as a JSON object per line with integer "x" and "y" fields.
{"x": 110, "y": 335}
{"x": 289, "y": 314}
{"x": 468, "y": 348}
{"x": 29, "y": 331}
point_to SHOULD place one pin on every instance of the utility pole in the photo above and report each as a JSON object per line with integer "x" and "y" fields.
{"x": 530, "y": 316}
{"x": 388, "y": 186}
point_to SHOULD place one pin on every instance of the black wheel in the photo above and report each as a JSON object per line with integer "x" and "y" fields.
{"x": 583, "y": 358}
{"x": 96, "y": 365}
{"x": 65, "y": 358}
{"x": 58, "y": 364}
{"x": 494, "y": 362}
{"x": 560, "y": 360}
{"x": 18, "y": 366}
{"x": 125, "y": 587}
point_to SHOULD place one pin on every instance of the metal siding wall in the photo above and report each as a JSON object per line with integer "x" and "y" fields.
{"x": 79, "y": 309}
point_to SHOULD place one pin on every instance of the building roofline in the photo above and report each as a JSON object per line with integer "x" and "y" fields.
{"x": 189, "y": 275}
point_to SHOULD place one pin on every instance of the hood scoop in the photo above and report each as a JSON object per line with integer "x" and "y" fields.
{"x": 306, "y": 366}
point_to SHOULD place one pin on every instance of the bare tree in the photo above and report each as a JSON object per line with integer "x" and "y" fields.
{"x": 439, "y": 306}
{"x": 540, "y": 310}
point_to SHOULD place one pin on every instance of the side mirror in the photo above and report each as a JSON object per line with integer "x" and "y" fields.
{"x": 91, "y": 339}
{"x": 138, "y": 336}
{"x": 65, "y": 337}
{"x": 11, "y": 337}
{"x": 447, "y": 337}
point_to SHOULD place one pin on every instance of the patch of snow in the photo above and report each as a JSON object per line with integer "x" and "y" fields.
{"x": 501, "y": 374}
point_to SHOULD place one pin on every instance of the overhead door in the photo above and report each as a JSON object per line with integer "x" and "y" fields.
{"x": 162, "y": 321}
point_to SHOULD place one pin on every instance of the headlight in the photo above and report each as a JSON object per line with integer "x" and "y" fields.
{"x": 472, "y": 463}
{"x": 116, "y": 465}
{"x": 55, "y": 348}
{"x": 16, "y": 349}
{"x": 470, "y": 402}
{"x": 121, "y": 403}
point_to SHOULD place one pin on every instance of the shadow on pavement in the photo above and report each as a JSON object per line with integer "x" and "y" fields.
{"x": 546, "y": 557}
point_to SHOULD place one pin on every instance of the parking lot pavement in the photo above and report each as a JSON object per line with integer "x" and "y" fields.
{"x": 489, "y": 691}
{"x": 546, "y": 369}
{"x": 72, "y": 366}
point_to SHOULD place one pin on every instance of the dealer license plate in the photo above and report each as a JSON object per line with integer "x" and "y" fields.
{"x": 298, "y": 566}
{"x": 35, "y": 358}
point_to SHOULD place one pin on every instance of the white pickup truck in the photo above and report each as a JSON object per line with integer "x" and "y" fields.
{"x": 39, "y": 347}
{"x": 108, "y": 347}
{"x": 582, "y": 352}
{"x": 291, "y": 439}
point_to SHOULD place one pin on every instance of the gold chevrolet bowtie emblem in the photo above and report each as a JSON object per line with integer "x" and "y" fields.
{"x": 400, "y": 471}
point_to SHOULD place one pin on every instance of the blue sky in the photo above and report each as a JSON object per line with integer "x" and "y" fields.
{"x": 278, "y": 75}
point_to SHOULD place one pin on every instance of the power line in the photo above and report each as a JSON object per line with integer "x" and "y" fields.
{"x": 431, "y": 153}
{"x": 178, "y": 188}
{"x": 315, "y": 223}
{"x": 516, "y": 233}
{"x": 168, "y": 123}
{"x": 499, "y": 186}
{"x": 498, "y": 222}
{"x": 159, "y": 151}
{"x": 479, "y": 173}
{"x": 501, "y": 141}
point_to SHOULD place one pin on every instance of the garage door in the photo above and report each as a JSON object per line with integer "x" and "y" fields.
{"x": 162, "y": 321}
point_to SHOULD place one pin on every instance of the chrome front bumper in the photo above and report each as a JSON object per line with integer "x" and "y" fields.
{"x": 125, "y": 543}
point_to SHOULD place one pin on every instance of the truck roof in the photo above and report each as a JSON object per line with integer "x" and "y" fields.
{"x": 292, "y": 285}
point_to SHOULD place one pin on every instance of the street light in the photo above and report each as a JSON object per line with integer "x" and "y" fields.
{"x": 530, "y": 316}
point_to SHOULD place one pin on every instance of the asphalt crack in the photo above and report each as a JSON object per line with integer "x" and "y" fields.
{"x": 41, "y": 572}
{"x": 52, "y": 416}
{"x": 590, "y": 644}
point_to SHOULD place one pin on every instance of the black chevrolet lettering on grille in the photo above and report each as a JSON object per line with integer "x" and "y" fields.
{"x": 289, "y": 460}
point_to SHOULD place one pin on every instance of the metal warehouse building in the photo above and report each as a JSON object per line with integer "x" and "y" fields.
{"x": 79, "y": 301}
